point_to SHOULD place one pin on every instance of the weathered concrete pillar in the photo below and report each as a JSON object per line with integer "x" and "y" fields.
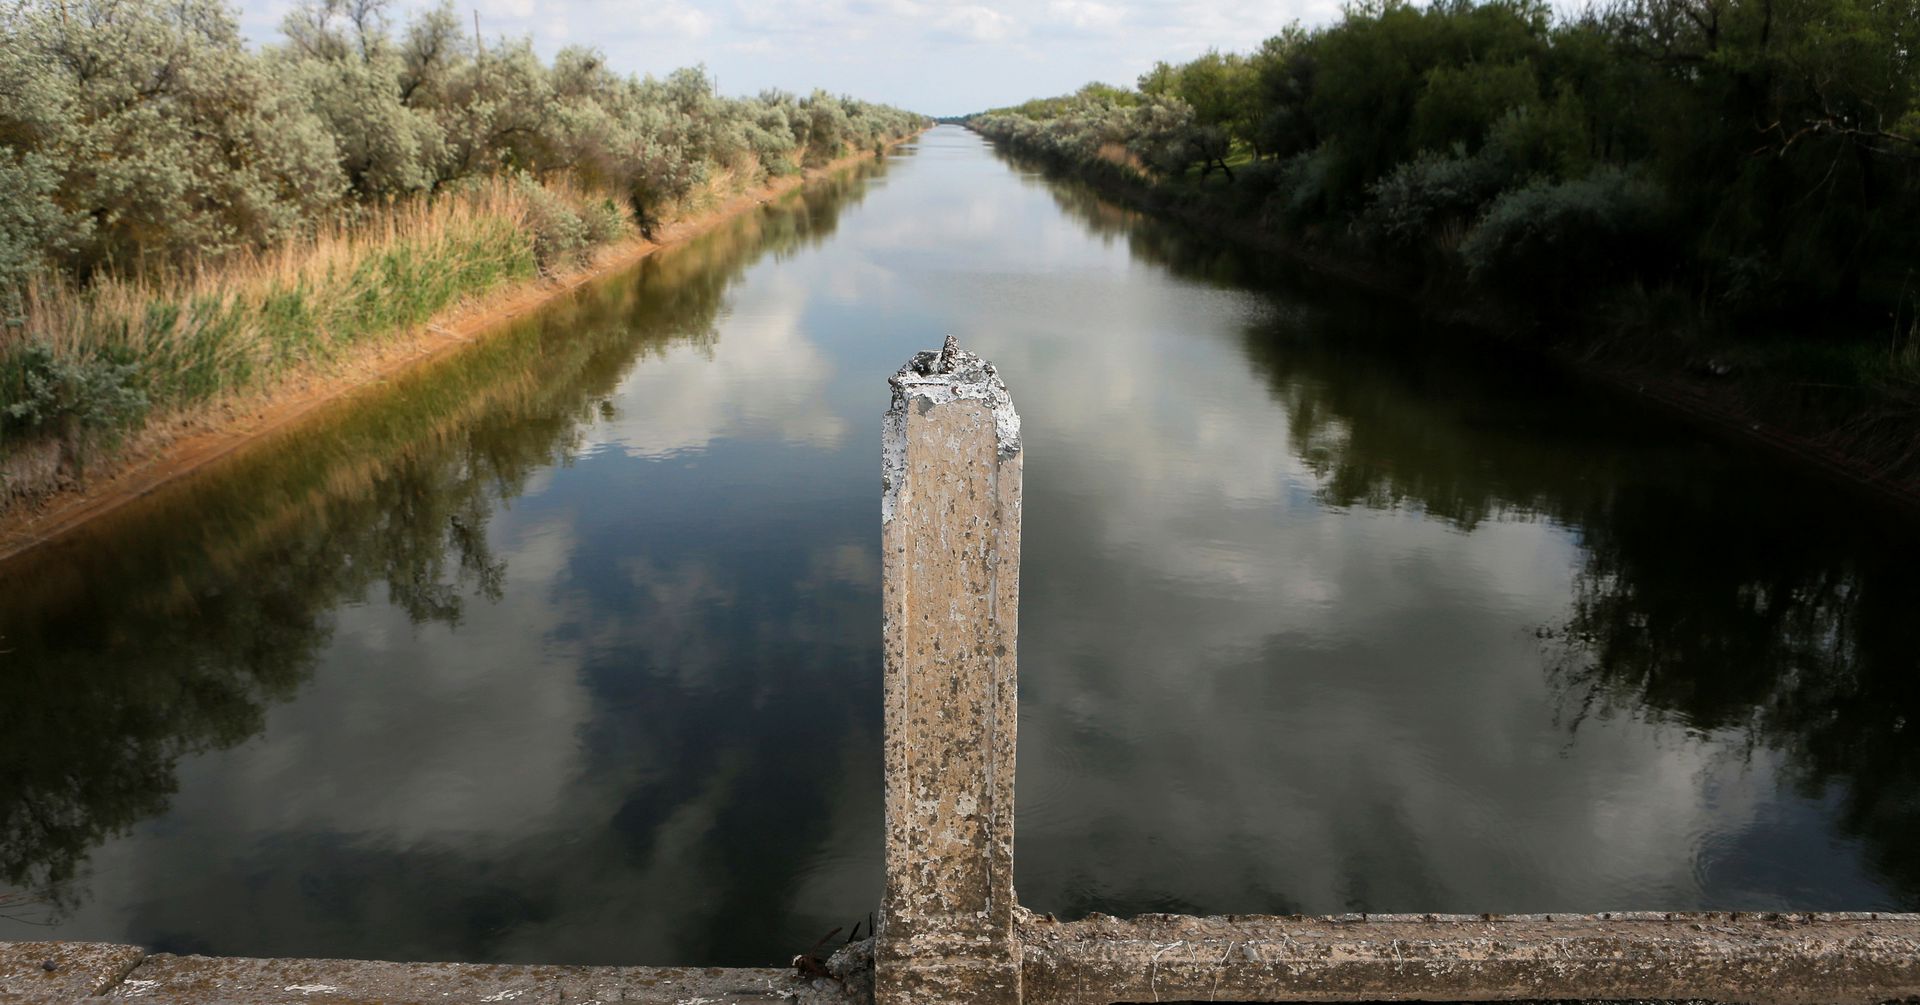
{"x": 950, "y": 534}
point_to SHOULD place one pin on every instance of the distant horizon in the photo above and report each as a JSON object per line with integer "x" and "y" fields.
{"x": 939, "y": 60}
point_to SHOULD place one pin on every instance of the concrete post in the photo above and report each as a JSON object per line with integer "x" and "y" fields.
{"x": 950, "y": 520}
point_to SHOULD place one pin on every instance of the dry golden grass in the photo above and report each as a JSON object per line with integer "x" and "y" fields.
{"x": 332, "y": 264}
{"x": 93, "y": 362}
{"x": 254, "y": 313}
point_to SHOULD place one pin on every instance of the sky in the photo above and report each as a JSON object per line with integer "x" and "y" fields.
{"x": 930, "y": 57}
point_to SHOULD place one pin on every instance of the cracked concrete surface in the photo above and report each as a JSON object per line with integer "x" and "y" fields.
{"x": 82, "y": 971}
{"x": 1776, "y": 959}
{"x": 950, "y": 554}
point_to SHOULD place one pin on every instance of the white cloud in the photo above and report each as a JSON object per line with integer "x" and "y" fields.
{"x": 1087, "y": 15}
{"x": 931, "y": 57}
{"x": 672, "y": 17}
{"x": 498, "y": 10}
{"x": 768, "y": 383}
{"x": 977, "y": 23}
{"x": 466, "y": 777}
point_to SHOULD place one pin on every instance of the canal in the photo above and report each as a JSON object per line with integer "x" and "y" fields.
{"x": 567, "y": 648}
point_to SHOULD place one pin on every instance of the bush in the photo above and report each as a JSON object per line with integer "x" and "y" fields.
{"x": 560, "y": 237}
{"x": 1161, "y": 132}
{"x": 604, "y": 222}
{"x": 1302, "y": 193}
{"x": 32, "y": 226}
{"x": 1547, "y": 139}
{"x": 384, "y": 148}
{"x": 144, "y": 136}
{"x": 1459, "y": 103}
{"x": 164, "y": 131}
{"x": 563, "y": 235}
{"x": 827, "y": 128}
{"x": 1433, "y": 196}
{"x": 1548, "y": 236}
{"x": 48, "y": 394}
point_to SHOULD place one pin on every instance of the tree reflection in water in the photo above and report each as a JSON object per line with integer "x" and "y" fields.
{"x": 1779, "y": 625}
{"x": 169, "y": 628}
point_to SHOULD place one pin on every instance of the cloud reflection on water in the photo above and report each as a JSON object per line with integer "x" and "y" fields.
{"x": 569, "y": 652}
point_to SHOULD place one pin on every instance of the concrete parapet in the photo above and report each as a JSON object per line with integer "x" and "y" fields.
{"x": 35, "y": 972}
{"x": 45, "y": 973}
{"x": 193, "y": 980}
{"x": 950, "y": 538}
{"x": 1775, "y": 959}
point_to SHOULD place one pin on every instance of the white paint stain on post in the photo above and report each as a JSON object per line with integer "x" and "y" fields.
{"x": 950, "y": 519}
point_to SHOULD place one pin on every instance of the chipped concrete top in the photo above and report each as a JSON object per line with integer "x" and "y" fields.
{"x": 937, "y": 378}
{"x": 62, "y": 971}
{"x": 1772, "y": 959}
{"x": 43, "y": 973}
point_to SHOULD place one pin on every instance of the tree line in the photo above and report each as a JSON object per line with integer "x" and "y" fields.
{"x": 184, "y": 215}
{"x": 1714, "y": 171}
{"x": 137, "y": 130}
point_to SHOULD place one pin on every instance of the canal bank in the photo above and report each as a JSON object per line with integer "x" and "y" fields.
{"x": 182, "y": 444}
{"x": 1861, "y": 436}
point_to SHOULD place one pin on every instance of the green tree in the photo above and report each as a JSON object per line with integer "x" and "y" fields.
{"x": 169, "y": 139}
{"x": 1220, "y": 89}
{"x": 1281, "y": 117}
{"x": 340, "y": 54}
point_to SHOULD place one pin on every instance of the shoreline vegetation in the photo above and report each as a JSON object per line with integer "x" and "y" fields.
{"x": 1712, "y": 203}
{"x": 203, "y": 241}
{"x": 162, "y": 452}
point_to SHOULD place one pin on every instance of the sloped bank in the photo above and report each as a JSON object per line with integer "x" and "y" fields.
{"x": 189, "y": 440}
{"x": 1868, "y": 437}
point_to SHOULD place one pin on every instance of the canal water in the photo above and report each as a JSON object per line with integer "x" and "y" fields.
{"x": 567, "y": 649}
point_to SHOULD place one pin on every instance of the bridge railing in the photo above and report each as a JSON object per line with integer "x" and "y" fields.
{"x": 951, "y": 930}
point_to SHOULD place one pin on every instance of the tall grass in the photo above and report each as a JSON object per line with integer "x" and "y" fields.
{"x": 89, "y": 363}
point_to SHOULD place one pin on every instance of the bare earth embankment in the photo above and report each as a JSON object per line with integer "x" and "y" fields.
{"x": 187, "y": 442}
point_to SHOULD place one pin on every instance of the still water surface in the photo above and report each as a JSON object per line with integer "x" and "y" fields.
{"x": 567, "y": 650}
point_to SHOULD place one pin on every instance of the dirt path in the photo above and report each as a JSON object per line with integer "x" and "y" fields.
{"x": 182, "y": 445}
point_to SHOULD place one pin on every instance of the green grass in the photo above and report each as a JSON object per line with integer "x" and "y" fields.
{"x": 94, "y": 363}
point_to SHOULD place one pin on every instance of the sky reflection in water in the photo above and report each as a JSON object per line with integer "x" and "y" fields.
{"x": 568, "y": 650}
